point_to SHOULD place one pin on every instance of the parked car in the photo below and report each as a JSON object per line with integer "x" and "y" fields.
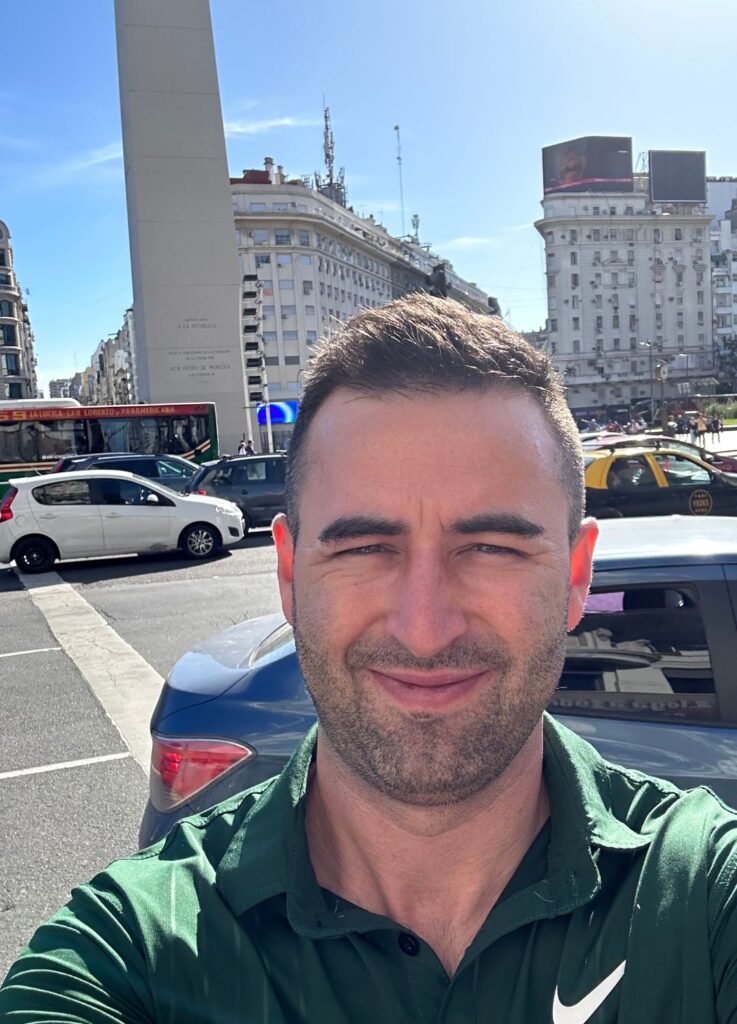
{"x": 646, "y": 482}
{"x": 88, "y": 513}
{"x": 649, "y": 677}
{"x": 726, "y": 461}
{"x": 171, "y": 470}
{"x": 255, "y": 483}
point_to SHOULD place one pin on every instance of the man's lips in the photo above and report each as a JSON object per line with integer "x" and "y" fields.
{"x": 428, "y": 679}
{"x": 427, "y": 691}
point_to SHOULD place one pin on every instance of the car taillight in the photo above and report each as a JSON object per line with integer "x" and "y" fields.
{"x": 182, "y": 767}
{"x": 6, "y": 512}
{"x": 200, "y": 492}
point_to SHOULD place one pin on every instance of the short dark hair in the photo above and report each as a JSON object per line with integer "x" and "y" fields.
{"x": 425, "y": 344}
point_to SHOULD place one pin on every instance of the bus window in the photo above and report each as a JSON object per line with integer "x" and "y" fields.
{"x": 17, "y": 442}
{"x": 59, "y": 437}
{"x": 110, "y": 435}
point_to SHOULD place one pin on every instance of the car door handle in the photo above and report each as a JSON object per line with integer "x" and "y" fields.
{"x": 47, "y": 515}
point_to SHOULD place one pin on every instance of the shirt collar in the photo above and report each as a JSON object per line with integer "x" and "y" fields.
{"x": 268, "y": 855}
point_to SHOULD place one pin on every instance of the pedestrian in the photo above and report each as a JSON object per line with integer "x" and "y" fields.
{"x": 693, "y": 430}
{"x": 242, "y": 447}
{"x": 715, "y": 428}
{"x": 438, "y": 848}
{"x": 681, "y": 429}
{"x": 701, "y": 429}
{"x": 250, "y": 450}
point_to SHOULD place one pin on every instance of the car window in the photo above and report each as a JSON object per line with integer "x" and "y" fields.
{"x": 680, "y": 471}
{"x": 143, "y": 467}
{"x": 629, "y": 473}
{"x": 123, "y": 492}
{"x": 169, "y": 469}
{"x": 222, "y": 476}
{"x": 66, "y": 492}
{"x": 276, "y": 471}
{"x": 256, "y": 471}
{"x": 639, "y": 653}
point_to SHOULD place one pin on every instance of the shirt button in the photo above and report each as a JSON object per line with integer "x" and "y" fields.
{"x": 408, "y": 944}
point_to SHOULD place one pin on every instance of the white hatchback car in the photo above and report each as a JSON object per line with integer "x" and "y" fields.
{"x": 75, "y": 515}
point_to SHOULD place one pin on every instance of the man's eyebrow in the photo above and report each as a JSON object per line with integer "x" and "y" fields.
{"x": 498, "y": 522}
{"x": 351, "y": 527}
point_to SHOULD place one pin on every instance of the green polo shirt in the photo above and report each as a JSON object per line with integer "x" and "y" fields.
{"x": 623, "y": 909}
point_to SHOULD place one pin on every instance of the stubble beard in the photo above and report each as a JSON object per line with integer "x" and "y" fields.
{"x": 427, "y": 759}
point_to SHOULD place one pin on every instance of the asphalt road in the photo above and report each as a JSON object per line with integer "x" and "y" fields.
{"x": 71, "y": 790}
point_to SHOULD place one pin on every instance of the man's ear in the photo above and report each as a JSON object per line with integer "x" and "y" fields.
{"x": 284, "y": 562}
{"x": 582, "y": 558}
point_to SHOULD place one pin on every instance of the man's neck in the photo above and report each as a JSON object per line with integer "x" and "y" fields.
{"x": 437, "y": 871}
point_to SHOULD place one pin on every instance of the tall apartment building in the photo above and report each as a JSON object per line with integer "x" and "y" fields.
{"x": 61, "y": 388}
{"x": 17, "y": 356}
{"x": 629, "y": 292}
{"x": 308, "y": 261}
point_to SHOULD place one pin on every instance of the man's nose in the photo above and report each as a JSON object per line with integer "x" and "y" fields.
{"x": 426, "y": 610}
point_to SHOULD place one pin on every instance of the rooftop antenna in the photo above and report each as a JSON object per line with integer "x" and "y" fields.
{"x": 399, "y": 165}
{"x": 333, "y": 188}
{"x": 416, "y": 228}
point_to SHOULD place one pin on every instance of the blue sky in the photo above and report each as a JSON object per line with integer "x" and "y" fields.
{"x": 477, "y": 87}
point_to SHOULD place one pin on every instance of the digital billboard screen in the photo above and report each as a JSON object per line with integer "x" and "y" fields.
{"x": 594, "y": 163}
{"x": 279, "y": 412}
{"x": 677, "y": 176}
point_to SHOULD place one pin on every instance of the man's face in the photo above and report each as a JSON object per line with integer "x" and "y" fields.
{"x": 432, "y": 584}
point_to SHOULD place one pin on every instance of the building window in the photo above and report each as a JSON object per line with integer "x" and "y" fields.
{"x": 633, "y": 344}
{"x": 700, "y": 277}
{"x": 633, "y": 321}
{"x": 550, "y": 279}
{"x": 679, "y": 279}
{"x": 596, "y": 234}
{"x": 6, "y": 308}
{"x": 598, "y": 301}
{"x": 15, "y": 390}
{"x": 283, "y": 259}
{"x": 289, "y": 311}
{"x": 680, "y": 338}
{"x": 259, "y": 236}
{"x": 629, "y": 234}
{"x": 267, "y": 286}
{"x": 615, "y": 278}
{"x": 286, "y": 284}
{"x": 553, "y": 325}
{"x": 280, "y": 207}
{"x": 700, "y": 318}
{"x": 597, "y": 257}
{"x": 614, "y": 255}
{"x": 631, "y": 257}
{"x": 304, "y": 238}
{"x": 307, "y": 287}
{"x": 262, "y": 258}
{"x": 574, "y": 280}
{"x": 267, "y": 311}
{"x": 3, "y": 258}
{"x": 702, "y": 339}
{"x": 309, "y": 310}
{"x": 12, "y": 364}
{"x": 306, "y": 260}
{"x": 657, "y": 235}
{"x": 553, "y": 348}
{"x": 629, "y": 210}
{"x": 699, "y": 298}
{"x": 658, "y": 319}
{"x": 615, "y": 321}
{"x": 631, "y": 281}
{"x": 549, "y": 237}
{"x": 577, "y": 323}
{"x": 8, "y": 334}
{"x": 613, "y": 234}
{"x": 291, "y": 360}
{"x": 576, "y": 345}
{"x": 615, "y": 344}
{"x": 291, "y": 336}
{"x": 574, "y": 301}
{"x": 678, "y": 234}
{"x": 595, "y": 211}
{"x": 633, "y": 366}
{"x": 311, "y": 337}
{"x": 271, "y": 360}
{"x": 573, "y": 236}
{"x": 257, "y": 207}
{"x": 283, "y": 237}
{"x": 269, "y": 336}
{"x": 574, "y": 259}
{"x": 600, "y": 323}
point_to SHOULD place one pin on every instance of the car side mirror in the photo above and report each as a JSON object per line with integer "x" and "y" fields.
{"x": 152, "y": 499}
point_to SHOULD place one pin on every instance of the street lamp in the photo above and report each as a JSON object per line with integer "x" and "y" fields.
{"x": 649, "y": 346}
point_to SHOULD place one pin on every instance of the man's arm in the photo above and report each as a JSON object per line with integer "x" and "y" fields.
{"x": 85, "y": 966}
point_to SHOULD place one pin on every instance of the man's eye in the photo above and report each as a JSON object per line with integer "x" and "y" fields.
{"x": 363, "y": 549}
{"x": 495, "y": 549}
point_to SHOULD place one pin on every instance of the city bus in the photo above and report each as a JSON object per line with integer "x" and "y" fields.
{"x": 35, "y": 434}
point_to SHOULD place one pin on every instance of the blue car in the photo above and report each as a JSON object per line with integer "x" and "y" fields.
{"x": 650, "y": 677}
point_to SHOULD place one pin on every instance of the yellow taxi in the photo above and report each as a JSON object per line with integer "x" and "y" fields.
{"x": 648, "y": 482}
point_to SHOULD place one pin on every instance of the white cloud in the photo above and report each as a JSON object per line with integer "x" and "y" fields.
{"x": 469, "y": 242}
{"x": 234, "y": 129}
{"x": 79, "y": 167}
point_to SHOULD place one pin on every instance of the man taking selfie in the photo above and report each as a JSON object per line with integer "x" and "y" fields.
{"x": 438, "y": 849}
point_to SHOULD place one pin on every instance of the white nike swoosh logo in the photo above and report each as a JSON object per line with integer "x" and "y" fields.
{"x": 580, "y": 1012}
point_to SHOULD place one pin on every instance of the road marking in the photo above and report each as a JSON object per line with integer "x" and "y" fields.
{"x": 81, "y": 763}
{"x": 123, "y": 681}
{"x": 35, "y": 650}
